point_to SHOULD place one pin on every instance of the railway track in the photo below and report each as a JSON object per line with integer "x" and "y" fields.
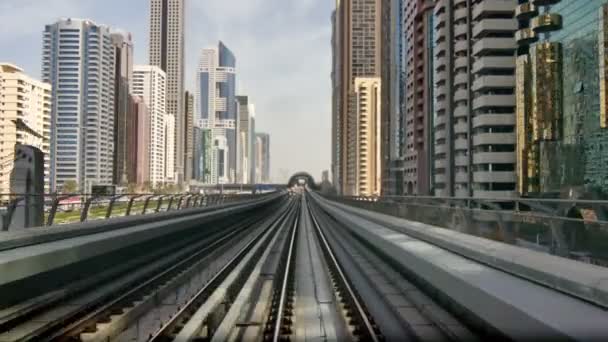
{"x": 102, "y": 307}
{"x": 289, "y": 273}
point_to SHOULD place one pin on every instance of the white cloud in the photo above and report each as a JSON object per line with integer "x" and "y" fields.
{"x": 20, "y": 18}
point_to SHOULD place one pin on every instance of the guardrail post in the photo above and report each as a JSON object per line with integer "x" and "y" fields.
{"x": 130, "y": 205}
{"x": 8, "y": 217}
{"x": 143, "y": 212}
{"x": 188, "y": 202}
{"x": 179, "y": 203}
{"x": 111, "y": 206}
{"x": 170, "y": 203}
{"x": 84, "y": 213}
{"x": 51, "y": 218}
{"x": 159, "y": 203}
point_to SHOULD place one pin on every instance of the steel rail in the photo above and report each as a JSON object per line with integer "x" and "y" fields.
{"x": 184, "y": 314}
{"x": 284, "y": 287}
{"x": 369, "y": 331}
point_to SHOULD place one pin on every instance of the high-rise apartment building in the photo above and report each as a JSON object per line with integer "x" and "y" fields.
{"x": 417, "y": 103}
{"x": 369, "y": 163}
{"x": 78, "y": 61}
{"x": 562, "y": 97}
{"x": 245, "y": 141}
{"x": 335, "y": 103}
{"x": 123, "y": 74}
{"x": 217, "y": 108}
{"x": 262, "y": 158}
{"x": 188, "y": 136}
{"x": 149, "y": 82}
{"x": 138, "y": 143}
{"x": 170, "y": 175}
{"x": 167, "y": 20}
{"x": 25, "y": 117}
{"x": 361, "y": 35}
{"x": 474, "y": 98}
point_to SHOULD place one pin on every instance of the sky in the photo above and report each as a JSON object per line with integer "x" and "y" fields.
{"x": 282, "y": 48}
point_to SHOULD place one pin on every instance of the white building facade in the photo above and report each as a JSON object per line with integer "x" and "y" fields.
{"x": 170, "y": 176}
{"x": 28, "y": 101}
{"x": 167, "y": 41}
{"x": 149, "y": 82}
{"x": 78, "y": 61}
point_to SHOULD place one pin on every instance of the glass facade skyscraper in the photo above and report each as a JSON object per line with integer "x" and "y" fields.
{"x": 217, "y": 108}
{"x": 562, "y": 93}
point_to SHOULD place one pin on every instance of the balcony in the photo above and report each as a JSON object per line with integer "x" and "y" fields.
{"x": 488, "y": 45}
{"x": 462, "y": 13}
{"x": 441, "y": 163}
{"x": 461, "y": 62}
{"x": 525, "y": 11}
{"x": 461, "y": 128}
{"x": 461, "y": 79}
{"x": 546, "y": 22}
{"x": 461, "y": 177}
{"x": 440, "y": 134}
{"x": 525, "y": 36}
{"x": 461, "y": 111}
{"x": 490, "y": 26}
{"x": 440, "y": 178}
{"x": 494, "y": 158}
{"x": 494, "y": 139}
{"x": 461, "y": 31}
{"x": 440, "y": 120}
{"x": 494, "y": 101}
{"x": 494, "y": 120}
{"x": 494, "y": 82}
{"x": 461, "y": 144}
{"x": 494, "y": 177}
{"x": 461, "y": 46}
{"x": 461, "y": 95}
{"x": 441, "y": 61}
{"x": 461, "y": 161}
{"x": 491, "y": 62}
{"x": 494, "y": 194}
{"x": 487, "y": 8}
{"x": 439, "y": 149}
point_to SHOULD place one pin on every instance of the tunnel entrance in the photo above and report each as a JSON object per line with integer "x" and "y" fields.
{"x": 302, "y": 179}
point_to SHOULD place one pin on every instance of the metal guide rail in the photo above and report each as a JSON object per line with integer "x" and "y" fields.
{"x": 202, "y": 315}
{"x": 79, "y": 307}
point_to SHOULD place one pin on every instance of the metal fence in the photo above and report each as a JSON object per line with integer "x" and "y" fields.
{"x": 69, "y": 208}
{"x": 576, "y": 229}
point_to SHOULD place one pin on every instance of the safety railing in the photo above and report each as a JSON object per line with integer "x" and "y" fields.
{"x": 573, "y": 228}
{"x": 69, "y": 208}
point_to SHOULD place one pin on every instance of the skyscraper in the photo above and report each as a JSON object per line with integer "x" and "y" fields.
{"x": 562, "y": 98}
{"x": 415, "y": 146}
{"x": 170, "y": 176}
{"x": 262, "y": 158}
{"x": 246, "y": 141}
{"x": 336, "y": 169}
{"x": 149, "y": 83}
{"x": 188, "y": 139}
{"x": 138, "y": 143}
{"x": 167, "y": 18}
{"x": 216, "y": 108}
{"x": 123, "y": 75}
{"x": 362, "y": 63}
{"x": 25, "y": 101}
{"x": 78, "y": 60}
{"x": 474, "y": 120}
